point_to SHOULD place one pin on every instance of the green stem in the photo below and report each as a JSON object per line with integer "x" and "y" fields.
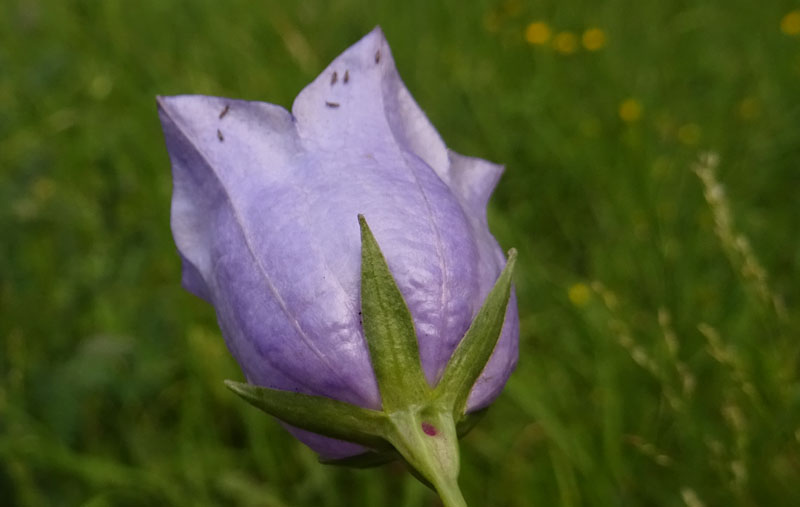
{"x": 426, "y": 438}
{"x": 451, "y": 495}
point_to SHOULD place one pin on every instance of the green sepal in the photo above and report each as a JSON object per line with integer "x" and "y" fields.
{"x": 389, "y": 330}
{"x": 469, "y": 421}
{"x": 377, "y": 458}
{"x": 318, "y": 414}
{"x": 410, "y": 408}
{"x": 475, "y": 349}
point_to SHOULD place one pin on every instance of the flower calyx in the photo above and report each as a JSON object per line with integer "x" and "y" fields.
{"x": 418, "y": 423}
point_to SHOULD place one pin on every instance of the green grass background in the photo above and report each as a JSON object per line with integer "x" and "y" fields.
{"x": 660, "y": 323}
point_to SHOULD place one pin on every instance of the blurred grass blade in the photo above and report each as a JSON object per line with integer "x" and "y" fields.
{"x": 317, "y": 414}
{"x": 389, "y": 329}
{"x": 476, "y": 347}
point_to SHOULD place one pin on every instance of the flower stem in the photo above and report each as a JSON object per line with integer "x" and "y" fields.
{"x": 450, "y": 494}
{"x": 427, "y": 439}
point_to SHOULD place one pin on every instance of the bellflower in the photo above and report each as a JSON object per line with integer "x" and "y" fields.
{"x": 332, "y": 320}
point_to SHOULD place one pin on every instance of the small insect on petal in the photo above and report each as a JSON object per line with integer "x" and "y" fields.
{"x": 220, "y": 136}
{"x": 334, "y": 77}
{"x": 378, "y": 56}
{"x": 346, "y": 76}
{"x": 332, "y": 105}
{"x": 224, "y": 111}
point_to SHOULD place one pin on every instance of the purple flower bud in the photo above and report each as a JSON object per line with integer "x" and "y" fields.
{"x": 264, "y": 216}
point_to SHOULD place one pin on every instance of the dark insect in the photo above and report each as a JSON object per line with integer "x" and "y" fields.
{"x": 220, "y": 136}
{"x": 332, "y": 104}
{"x": 378, "y": 56}
{"x": 224, "y": 111}
{"x": 334, "y": 77}
{"x": 346, "y": 76}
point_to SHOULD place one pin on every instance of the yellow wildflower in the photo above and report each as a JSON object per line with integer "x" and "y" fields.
{"x": 491, "y": 21}
{"x": 565, "y": 43}
{"x": 537, "y": 33}
{"x": 579, "y": 294}
{"x": 590, "y": 127}
{"x": 43, "y": 188}
{"x": 689, "y": 134}
{"x": 749, "y": 108}
{"x": 790, "y": 23}
{"x": 630, "y": 110}
{"x": 594, "y": 39}
{"x": 512, "y": 7}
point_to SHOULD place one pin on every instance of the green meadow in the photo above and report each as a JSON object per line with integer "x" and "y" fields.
{"x": 652, "y": 188}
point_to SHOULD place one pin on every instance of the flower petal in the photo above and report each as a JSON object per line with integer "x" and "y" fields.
{"x": 369, "y": 127}
{"x": 365, "y": 99}
{"x": 473, "y": 180}
{"x": 235, "y": 222}
{"x": 204, "y": 161}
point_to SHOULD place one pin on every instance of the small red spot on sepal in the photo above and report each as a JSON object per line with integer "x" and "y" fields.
{"x": 429, "y": 429}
